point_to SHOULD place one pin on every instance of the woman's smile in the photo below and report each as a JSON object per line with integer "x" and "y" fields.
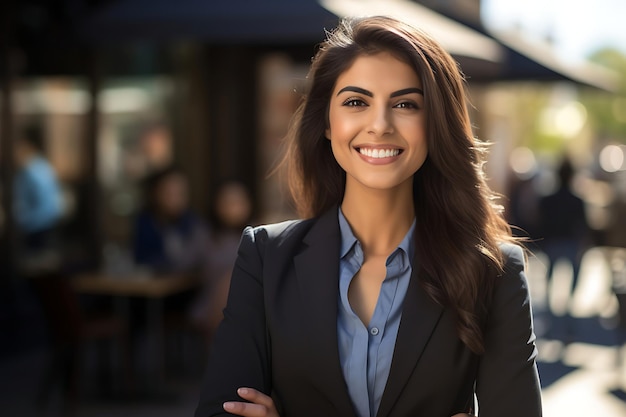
{"x": 378, "y": 155}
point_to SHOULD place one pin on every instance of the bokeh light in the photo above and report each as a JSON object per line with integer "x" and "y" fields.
{"x": 612, "y": 158}
{"x": 523, "y": 162}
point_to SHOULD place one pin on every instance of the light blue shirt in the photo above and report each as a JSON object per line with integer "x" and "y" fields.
{"x": 366, "y": 352}
{"x": 37, "y": 196}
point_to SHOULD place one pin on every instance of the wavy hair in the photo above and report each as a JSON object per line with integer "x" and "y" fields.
{"x": 459, "y": 225}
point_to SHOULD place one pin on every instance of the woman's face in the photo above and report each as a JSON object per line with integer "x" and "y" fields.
{"x": 377, "y": 122}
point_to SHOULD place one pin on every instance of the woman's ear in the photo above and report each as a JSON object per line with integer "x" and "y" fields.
{"x": 327, "y": 133}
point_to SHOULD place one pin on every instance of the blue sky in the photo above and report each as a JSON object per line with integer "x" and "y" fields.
{"x": 578, "y": 27}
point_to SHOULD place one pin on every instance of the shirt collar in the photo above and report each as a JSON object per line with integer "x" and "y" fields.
{"x": 408, "y": 243}
{"x": 348, "y": 240}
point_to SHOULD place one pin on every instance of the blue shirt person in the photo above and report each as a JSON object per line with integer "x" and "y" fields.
{"x": 37, "y": 203}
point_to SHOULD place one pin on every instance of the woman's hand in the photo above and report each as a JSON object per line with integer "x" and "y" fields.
{"x": 260, "y": 405}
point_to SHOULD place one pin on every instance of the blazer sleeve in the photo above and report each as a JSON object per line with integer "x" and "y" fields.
{"x": 239, "y": 353}
{"x": 507, "y": 382}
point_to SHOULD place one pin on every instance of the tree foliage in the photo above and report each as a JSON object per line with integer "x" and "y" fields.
{"x": 606, "y": 110}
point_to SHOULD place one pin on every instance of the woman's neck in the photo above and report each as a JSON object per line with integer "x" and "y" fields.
{"x": 379, "y": 218}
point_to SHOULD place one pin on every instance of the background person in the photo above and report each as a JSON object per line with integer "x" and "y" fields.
{"x": 37, "y": 206}
{"x": 230, "y": 213}
{"x": 168, "y": 235}
{"x": 565, "y": 232}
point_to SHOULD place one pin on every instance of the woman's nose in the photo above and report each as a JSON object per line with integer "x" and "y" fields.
{"x": 380, "y": 123}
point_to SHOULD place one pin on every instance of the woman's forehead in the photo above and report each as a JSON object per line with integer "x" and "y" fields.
{"x": 382, "y": 71}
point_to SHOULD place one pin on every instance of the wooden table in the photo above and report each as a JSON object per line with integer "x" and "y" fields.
{"x": 134, "y": 285}
{"x": 154, "y": 288}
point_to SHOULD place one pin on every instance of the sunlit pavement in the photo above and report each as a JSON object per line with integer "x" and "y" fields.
{"x": 579, "y": 361}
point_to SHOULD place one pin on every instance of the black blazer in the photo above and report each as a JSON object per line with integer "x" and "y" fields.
{"x": 279, "y": 335}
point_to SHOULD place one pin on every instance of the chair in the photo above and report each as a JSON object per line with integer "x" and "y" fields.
{"x": 70, "y": 330}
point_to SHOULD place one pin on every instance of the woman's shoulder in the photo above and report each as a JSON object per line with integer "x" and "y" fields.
{"x": 513, "y": 255}
{"x": 278, "y": 233}
{"x": 274, "y": 241}
{"x": 513, "y": 273}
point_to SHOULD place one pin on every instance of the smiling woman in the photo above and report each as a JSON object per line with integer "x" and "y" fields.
{"x": 402, "y": 293}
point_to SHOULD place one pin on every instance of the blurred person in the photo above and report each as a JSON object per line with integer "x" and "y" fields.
{"x": 155, "y": 144}
{"x": 523, "y": 208}
{"x": 37, "y": 205}
{"x": 563, "y": 227}
{"x": 230, "y": 212}
{"x": 403, "y": 292}
{"x": 168, "y": 236}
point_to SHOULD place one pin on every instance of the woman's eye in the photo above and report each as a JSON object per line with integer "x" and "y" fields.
{"x": 354, "y": 102}
{"x": 406, "y": 105}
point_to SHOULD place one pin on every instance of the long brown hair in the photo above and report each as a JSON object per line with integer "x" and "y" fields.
{"x": 459, "y": 226}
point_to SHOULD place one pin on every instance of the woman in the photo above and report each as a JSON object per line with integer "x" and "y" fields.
{"x": 402, "y": 294}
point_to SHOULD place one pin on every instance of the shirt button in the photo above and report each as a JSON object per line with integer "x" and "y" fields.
{"x": 374, "y": 331}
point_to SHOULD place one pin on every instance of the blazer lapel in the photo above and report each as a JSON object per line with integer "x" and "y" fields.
{"x": 420, "y": 316}
{"x": 317, "y": 272}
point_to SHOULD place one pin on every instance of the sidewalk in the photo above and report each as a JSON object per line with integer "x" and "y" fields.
{"x": 580, "y": 372}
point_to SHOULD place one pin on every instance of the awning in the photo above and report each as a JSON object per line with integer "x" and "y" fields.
{"x": 517, "y": 59}
{"x": 483, "y": 57}
{"x": 217, "y": 21}
{"x": 478, "y": 55}
{"x": 455, "y": 37}
{"x": 269, "y": 21}
{"x": 525, "y": 60}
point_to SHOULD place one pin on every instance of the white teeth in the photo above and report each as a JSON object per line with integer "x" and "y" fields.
{"x": 379, "y": 153}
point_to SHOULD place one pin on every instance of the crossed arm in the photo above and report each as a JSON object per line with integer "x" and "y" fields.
{"x": 261, "y": 405}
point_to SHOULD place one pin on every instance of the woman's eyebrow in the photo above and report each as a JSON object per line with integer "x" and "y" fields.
{"x": 407, "y": 91}
{"x": 356, "y": 90}
{"x": 370, "y": 94}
